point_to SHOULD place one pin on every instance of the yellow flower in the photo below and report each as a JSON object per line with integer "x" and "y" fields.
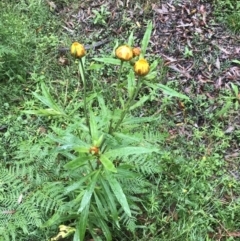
{"x": 141, "y": 67}
{"x": 77, "y": 50}
{"x": 124, "y": 53}
{"x": 136, "y": 51}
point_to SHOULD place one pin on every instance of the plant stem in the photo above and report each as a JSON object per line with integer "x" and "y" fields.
{"x": 118, "y": 95}
{"x": 82, "y": 73}
{"x": 128, "y": 105}
{"x": 119, "y": 74}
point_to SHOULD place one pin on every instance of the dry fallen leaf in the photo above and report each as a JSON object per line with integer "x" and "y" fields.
{"x": 217, "y": 63}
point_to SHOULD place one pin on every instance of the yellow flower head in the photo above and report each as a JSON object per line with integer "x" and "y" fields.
{"x": 124, "y": 52}
{"x": 77, "y": 50}
{"x": 141, "y": 67}
{"x": 136, "y": 51}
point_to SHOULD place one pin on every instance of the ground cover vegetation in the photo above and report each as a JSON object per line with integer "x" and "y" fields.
{"x": 133, "y": 136}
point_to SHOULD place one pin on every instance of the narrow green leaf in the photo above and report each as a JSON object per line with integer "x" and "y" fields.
{"x": 146, "y": 39}
{"x": 140, "y": 102}
{"x": 235, "y": 89}
{"x": 172, "y": 92}
{"x": 236, "y": 61}
{"x": 104, "y": 227}
{"x": 109, "y": 60}
{"x": 118, "y": 192}
{"x": 78, "y": 184}
{"x": 152, "y": 75}
{"x": 76, "y": 236}
{"x": 139, "y": 120}
{"x": 107, "y": 163}
{"x": 48, "y": 98}
{"x": 78, "y": 162}
{"x": 100, "y": 202}
{"x": 88, "y": 192}
{"x": 110, "y": 201}
{"x": 131, "y": 83}
{"x": 130, "y": 39}
{"x": 95, "y": 66}
{"x": 44, "y": 112}
{"x": 93, "y": 126}
{"x": 56, "y": 217}
{"x": 82, "y": 149}
{"x": 81, "y": 227}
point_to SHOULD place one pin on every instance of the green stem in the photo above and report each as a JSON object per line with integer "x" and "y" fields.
{"x": 118, "y": 96}
{"x": 119, "y": 74}
{"x": 128, "y": 106}
{"x": 82, "y": 73}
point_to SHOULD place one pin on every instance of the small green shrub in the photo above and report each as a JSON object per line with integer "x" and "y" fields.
{"x": 89, "y": 174}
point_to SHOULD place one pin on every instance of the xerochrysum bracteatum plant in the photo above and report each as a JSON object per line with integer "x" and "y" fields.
{"x": 107, "y": 159}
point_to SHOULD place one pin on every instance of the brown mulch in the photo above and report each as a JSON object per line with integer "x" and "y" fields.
{"x": 188, "y": 24}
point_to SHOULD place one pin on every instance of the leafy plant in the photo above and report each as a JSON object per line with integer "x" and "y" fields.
{"x": 101, "y": 16}
{"x": 107, "y": 159}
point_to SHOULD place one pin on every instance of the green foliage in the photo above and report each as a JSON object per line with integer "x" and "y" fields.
{"x": 101, "y": 16}
{"x": 96, "y": 152}
{"x": 21, "y": 37}
{"x": 88, "y": 170}
{"x": 228, "y": 12}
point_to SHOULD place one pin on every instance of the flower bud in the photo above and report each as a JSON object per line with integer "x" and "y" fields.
{"x": 94, "y": 150}
{"x": 136, "y": 51}
{"x": 124, "y": 53}
{"x": 141, "y": 67}
{"x": 77, "y": 50}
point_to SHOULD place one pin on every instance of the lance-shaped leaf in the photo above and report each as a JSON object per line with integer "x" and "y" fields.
{"x": 119, "y": 194}
{"x": 107, "y": 163}
{"x": 131, "y": 83}
{"x": 47, "y": 100}
{"x": 78, "y": 162}
{"x": 109, "y": 60}
{"x": 172, "y": 92}
{"x": 88, "y": 192}
{"x": 82, "y": 224}
{"x": 93, "y": 127}
{"x": 130, "y": 39}
{"x": 146, "y": 39}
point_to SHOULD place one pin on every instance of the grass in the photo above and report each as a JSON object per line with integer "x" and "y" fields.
{"x": 194, "y": 189}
